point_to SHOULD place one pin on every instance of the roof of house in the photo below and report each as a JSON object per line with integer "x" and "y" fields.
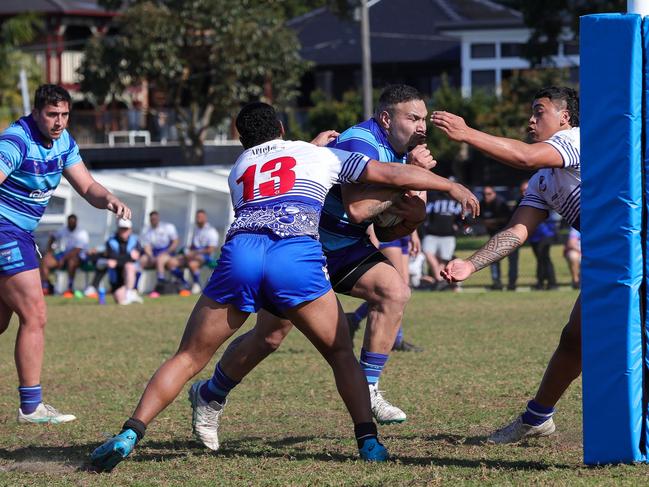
{"x": 68, "y": 7}
{"x": 404, "y": 31}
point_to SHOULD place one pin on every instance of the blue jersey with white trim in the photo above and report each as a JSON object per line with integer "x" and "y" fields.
{"x": 33, "y": 171}
{"x": 279, "y": 187}
{"x": 337, "y": 231}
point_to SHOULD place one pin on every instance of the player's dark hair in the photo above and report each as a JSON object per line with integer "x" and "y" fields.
{"x": 566, "y": 95}
{"x": 257, "y": 123}
{"x": 154, "y": 212}
{"x": 50, "y": 95}
{"x": 394, "y": 94}
{"x": 200, "y": 210}
{"x": 72, "y": 215}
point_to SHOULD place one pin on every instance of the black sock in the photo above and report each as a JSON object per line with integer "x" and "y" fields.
{"x": 136, "y": 425}
{"x": 364, "y": 431}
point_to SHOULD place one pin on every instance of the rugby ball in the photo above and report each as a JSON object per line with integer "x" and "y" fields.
{"x": 387, "y": 219}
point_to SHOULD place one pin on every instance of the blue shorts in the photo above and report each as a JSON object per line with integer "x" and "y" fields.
{"x": 17, "y": 250}
{"x": 402, "y": 242}
{"x": 157, "y": 252}
{"x": 263, "y": 271}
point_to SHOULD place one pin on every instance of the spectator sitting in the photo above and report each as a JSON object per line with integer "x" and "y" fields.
{"x": 202, "y": 245}
{"x": 120, "y": 261}
{"x": 66, "y": 249}
{"x": 160, "y": 241}
{"x": 572, "y": 253}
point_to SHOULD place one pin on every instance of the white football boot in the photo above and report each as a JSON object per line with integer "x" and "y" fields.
{"x": 383, "y": 411}
{"x": 205, "y": 417}
{"x": 44, "y": 413}
{"x": 133, "y": 297}
{"x": 517, "y": 431}
{"x": 196, "y": 288}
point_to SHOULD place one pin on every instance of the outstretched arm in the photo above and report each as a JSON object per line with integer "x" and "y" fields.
{"x": 406, "y": 176}
{"x": 508, "y": 151}
{"x": 93, "y": 192}
{"x": 523, "y": 223}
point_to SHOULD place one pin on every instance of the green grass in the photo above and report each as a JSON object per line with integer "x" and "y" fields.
{"x": 285, "y": 425}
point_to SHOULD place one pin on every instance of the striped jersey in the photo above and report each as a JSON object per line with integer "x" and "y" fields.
{"x": 33, "y": 171}
{"x": 337, "y": 231}
{"x": 559, "y": 189}
{"x": 279, "y": 186}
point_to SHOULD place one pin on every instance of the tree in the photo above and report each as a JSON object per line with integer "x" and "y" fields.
{"x": 14, "y": 33}
{"x": 548, "y": 19}
{"x": 208, "y": 56}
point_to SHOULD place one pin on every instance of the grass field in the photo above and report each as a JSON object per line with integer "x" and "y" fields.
{"x": 285, "y": 425}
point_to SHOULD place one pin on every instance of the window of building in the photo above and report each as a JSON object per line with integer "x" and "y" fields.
{"x": 511, "y": 49}
{"x": 479, "y": 51}
{"x": 483, "y": 79}
{"x": 571, "y": 48}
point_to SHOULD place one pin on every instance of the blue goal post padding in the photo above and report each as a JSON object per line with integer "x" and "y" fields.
{"x": 611, "y": 222}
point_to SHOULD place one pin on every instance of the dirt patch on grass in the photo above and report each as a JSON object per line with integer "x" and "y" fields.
{"x": 37, "y": 465}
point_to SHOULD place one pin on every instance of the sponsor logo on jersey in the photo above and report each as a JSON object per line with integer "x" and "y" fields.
{"x": 41, "y": 195}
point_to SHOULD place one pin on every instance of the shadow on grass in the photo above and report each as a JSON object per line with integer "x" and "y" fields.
{"x": 76, "y": 457}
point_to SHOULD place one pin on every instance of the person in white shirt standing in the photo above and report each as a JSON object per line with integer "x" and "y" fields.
{"x": 201, "y": 247}
{"x": 159, "y": 240}
{"x": 66, "y": 249}
{"x": 555, "y": 152}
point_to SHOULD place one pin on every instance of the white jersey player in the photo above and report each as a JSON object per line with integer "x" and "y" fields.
{"x": 272, "y": 258}
{"x": 554, "y": 128}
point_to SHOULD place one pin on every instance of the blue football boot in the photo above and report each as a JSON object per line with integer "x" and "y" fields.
{"x": 108, "y": 455}
{"x": 373, "y": 451}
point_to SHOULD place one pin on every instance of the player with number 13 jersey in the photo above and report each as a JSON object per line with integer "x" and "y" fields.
{"x": 278, "y": 189}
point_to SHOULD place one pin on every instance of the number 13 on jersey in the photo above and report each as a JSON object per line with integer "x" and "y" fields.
{"x": 281, "y": 174}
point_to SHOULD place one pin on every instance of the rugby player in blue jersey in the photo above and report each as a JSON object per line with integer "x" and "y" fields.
{"x": 34, "y": 152}
{"x": 356, "y": 267}
{"x": 272, "y": 259}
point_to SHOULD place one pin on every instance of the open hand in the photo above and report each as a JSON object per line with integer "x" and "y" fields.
{"x": 452, "y": 125}
{"x": 457, "y": 270}
{"x": 466, "y": 198}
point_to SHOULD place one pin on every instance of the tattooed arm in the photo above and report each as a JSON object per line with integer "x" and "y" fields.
{"x": 498, "y": 246}
{"x": 523, "y": 223}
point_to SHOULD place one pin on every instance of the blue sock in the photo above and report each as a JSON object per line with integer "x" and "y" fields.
{"x": 161, "y": 277}
{"x": 179, "y": 274}
{"x": 535, "y": 414}
{"x": 218, "y": 387}
{"x": 30, "y": 398}
{"x": 138, "y": 274}
{"x": 197, "y": 277}
{"x": 112, "y": 276}
{"x": 361, "y": 312}
{"x": 399, "y": 339}
{"x": 372, "y": 365}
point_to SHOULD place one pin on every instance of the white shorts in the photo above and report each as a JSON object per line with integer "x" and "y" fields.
{"x": 441, "y": 247}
